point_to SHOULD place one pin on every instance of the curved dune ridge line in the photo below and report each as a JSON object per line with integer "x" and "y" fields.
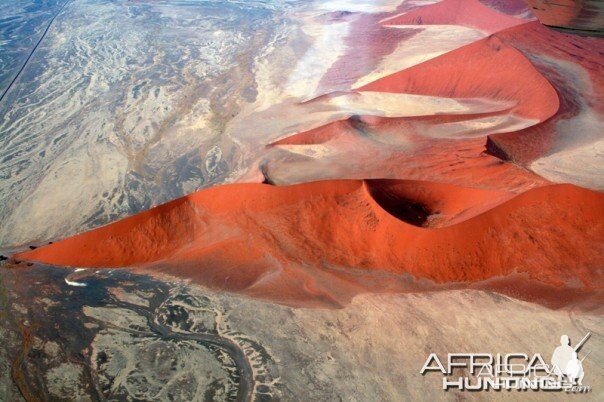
{"x": 425, "y": 43}
{"x": 470, "y": 13}
{"x": 245, "y": 236}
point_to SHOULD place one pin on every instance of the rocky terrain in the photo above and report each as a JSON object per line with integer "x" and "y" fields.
{"x": 113, "y": 335}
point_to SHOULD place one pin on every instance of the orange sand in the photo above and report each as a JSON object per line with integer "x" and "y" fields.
{"x": 470, "y": 13}
{"x": 247, "y": 236}
{"x": 487, "y": 68}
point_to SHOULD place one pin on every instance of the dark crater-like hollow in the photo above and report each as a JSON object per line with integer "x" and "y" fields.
{"x": 393, "y": 197}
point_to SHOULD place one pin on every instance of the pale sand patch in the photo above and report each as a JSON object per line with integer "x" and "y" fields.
{"x": 363, "y": 6}
{"x": 315, "y": 151}
{"x": 69, "y": 185}
{"x": 582, "y": 166}
{"x": 328, "y": 46}
{"x": 271, "y": 69}
{"x": 387, "y": 104}
{"x": 503, "y": 123}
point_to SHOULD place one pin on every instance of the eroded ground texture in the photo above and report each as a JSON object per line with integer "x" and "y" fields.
{"x": 122, "y": 106}
{"x": 113, "y": 335}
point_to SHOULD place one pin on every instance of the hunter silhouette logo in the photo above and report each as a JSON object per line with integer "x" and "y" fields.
{"x": 513, "y": 371}
{"x": 565, "y": 360}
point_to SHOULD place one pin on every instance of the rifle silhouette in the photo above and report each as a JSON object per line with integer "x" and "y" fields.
{"x": 585, "y": 338}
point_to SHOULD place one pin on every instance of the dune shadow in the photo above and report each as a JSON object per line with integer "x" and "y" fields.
{"x": 393, "y": 196}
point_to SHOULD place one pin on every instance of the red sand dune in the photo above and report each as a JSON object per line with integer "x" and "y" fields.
{"x": 487, "y": 68}
{"x": 371, "y": 38}
{"x": 267, "y": 240}
{"x": 470, "y": 13}
{"x": 484, "y": 70}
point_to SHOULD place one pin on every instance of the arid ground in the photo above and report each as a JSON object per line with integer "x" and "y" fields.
{"x": 292, "y": 200}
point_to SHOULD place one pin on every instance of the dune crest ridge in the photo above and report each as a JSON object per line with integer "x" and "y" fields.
{"x": 245, "y": 236}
